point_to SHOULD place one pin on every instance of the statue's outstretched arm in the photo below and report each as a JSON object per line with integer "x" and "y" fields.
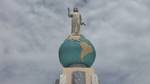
{"x": 69, "y": 14}
{"x": 80, "y": 19}
{"x": 82, "y": 23}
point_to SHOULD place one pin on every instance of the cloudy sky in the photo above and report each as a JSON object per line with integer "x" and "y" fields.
{"x": 31, "y": 32}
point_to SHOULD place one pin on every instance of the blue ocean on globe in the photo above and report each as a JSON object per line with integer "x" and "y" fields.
{"x": 80, "y": 51}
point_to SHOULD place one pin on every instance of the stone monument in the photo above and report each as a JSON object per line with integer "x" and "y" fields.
{"x": 77, "y": 54}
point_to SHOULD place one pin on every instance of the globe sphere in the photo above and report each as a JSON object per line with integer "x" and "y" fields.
{"x": 73, "y": 52}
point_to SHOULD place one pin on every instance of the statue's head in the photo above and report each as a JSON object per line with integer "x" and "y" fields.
{"x": 75, "y": 10}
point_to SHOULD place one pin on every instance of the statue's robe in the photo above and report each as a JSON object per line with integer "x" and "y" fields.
{"x": 76, "y": 21}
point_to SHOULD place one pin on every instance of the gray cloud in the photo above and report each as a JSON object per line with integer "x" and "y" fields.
{"x": 31, "y": 32}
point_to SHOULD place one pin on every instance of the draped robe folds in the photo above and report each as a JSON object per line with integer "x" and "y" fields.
{"x": 76, "y": 20}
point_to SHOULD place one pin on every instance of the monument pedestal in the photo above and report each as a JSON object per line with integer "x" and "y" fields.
{"x": 78, "y": 75}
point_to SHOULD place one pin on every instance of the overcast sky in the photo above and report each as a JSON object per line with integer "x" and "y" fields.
{"x": 31, "y": 32}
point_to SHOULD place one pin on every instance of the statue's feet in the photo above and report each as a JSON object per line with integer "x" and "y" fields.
{"x": 75, "y": 34}
{"x": 74, "y": 37}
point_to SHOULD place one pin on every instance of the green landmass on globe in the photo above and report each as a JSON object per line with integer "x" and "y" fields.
{"x": 78, "y": 51}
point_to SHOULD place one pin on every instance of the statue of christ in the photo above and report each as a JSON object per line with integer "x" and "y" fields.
{"x": 76, "y": 21}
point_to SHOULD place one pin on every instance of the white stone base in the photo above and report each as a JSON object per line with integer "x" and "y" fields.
{"x": 74, "y": 37}
{"x": 89, "y": 76}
